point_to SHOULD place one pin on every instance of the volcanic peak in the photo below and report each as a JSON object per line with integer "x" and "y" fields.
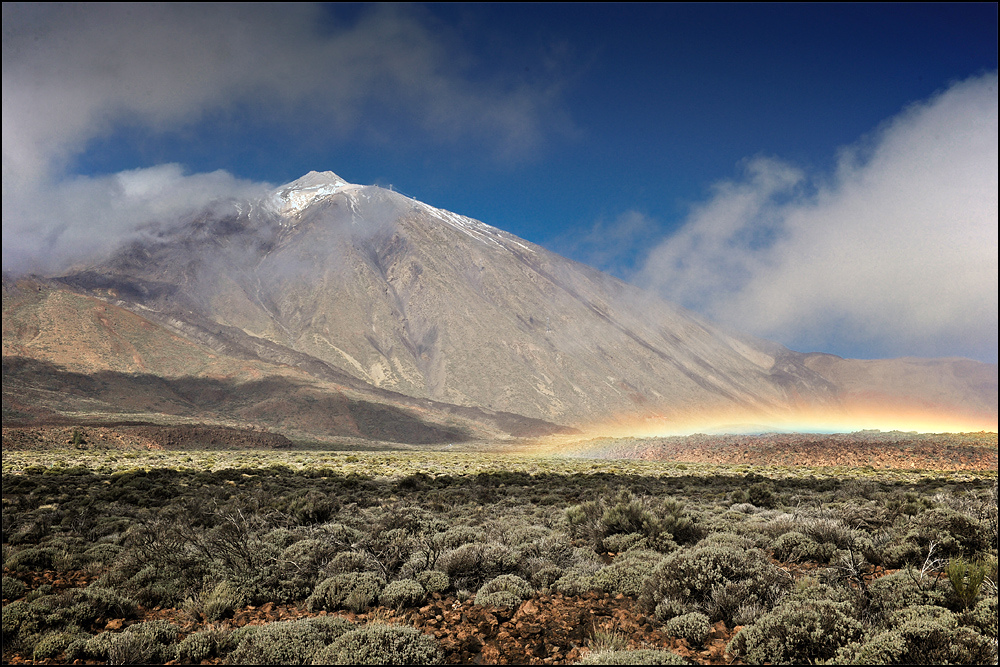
{"x": 291, "y": 198}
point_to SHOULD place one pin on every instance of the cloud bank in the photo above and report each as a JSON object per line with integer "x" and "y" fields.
{"x": 896, "y": 251}
{"x": 84, "y": 218}
{"x": 74, "y": 73}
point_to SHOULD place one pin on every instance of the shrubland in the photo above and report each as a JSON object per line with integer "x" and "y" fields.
{"x": 804, "y": 565}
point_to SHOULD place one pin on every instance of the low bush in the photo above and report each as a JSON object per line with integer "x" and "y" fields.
{"x": 983, "y": 617}
{"x": 286, "y": 642}
{"x": 355, "y": 591}
{"x": 718, "y": 579}
{"x": 895, "y": 591}
{"x": 216, "y": 603}
{"x": 434, "y": 581}
{"x": 12, "y": 588}
{"x": 921, "y": 635}
{"x": 32, "y": 558}
{"x": 628, "y": 573}
{"x": 797, "y": 632}
{"x": 577, "y": 580}
{"x": 52, "y": 644}
{"x": 470, "y": 565}
{"x": 794, "y": 547}
{"x": 507, "y": 590}
{"x": 347, "y": 562}
{"x": 633, "y": 657}
{"x": 694, "y": 627}
{"x": 301, "y": 563}
{"x": 620, "y": 542}
{"x": 671, "y": 607}
{"x": 661, "y": 523}
{"x": 402, "y": 593}
{"x": 378, "y": 644}
{"x": 151, "y": 642}
{"x": 204, "y": 645}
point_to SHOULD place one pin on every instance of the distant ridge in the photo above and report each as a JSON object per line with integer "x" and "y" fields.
{"x": 379, "y": 293}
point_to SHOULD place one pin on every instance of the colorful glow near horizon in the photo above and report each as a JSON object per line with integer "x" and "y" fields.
{"x": 840, "y": 419}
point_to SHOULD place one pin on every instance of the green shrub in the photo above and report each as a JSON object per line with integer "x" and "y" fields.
{"x": 541, "y": 572}
{"x": 378, "y": 644}
{"x": 671, "y": 607}
{"x": 662, "y": 523}
{"x": 983, "y": 616}
{"x": 921, "y": 635}
{"x": 620, "y": 542}
{"x": 402, "y": 593}
{"x": 151, "y": 642}
{"x": 12, "y": 588}
{"x": 129, "y": 648}
{"x": 507, "y": 590}
{"x": 576, "y": 580}
{"x": 966, "y": 578}
{"x": 22, "y": 622}
{"x": 216, "y": 604}
{"x": 51, "y": 644}
{"x": 794, "y": 546}
{"x": 761, "y": 494}
{"x": 99, "y": 646}
{"x": 434, "y": 581}
{"x": 694, "y": 627}
{"x": 628, "y": 573}
{"x": 287, "y": 642}
{"x": 301, "y": 563}
{"x": 107, "y": 603}
{"x": 203, "y": 645}
{"x": 475, "y": 563}
{"x": 77, "y": 649}
{"x": 156, "y": 584}
{"x": 633, "y": 657}
{"x": 32, "y": 558}
{"x": 895, "y": 591}
{"x": 349, "y": 561}
{"x": 356, "y": 591}
{"x": 627, "y": 514}
{"x": 828, "y": 531}
{"x": 797, "y": 632}
{"x": 716, "y": 578}
{"x": 952, "y": 534}
{"x": 456, "y": 536}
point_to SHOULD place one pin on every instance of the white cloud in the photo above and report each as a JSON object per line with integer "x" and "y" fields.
{"x": 82, "y": 219}
{"x": 896, "y": 253}
{"x": 71, "y": 71}
{"x": 74, "y": 72}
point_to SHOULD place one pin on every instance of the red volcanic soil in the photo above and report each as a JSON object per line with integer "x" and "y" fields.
{"x": 544, "y": 630}
{"x": 874, "y": 449}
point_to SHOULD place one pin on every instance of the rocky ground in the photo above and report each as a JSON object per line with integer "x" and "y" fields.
{"x": 874, "y": 449}
{"x": 545, "y": 630}
{"x": 139, "y": 436}
{"x": 549, "y": 628}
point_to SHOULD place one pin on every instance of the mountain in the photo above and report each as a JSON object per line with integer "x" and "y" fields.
{"x": 358, "y": 289}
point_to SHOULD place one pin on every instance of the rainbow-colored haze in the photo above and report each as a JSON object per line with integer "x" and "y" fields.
{"x": 867, "y": 415}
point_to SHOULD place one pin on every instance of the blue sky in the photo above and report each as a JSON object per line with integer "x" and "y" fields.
{"x": 821, "y": 175}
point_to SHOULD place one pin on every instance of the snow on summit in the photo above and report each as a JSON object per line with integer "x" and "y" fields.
{"x": 292, "y": 198}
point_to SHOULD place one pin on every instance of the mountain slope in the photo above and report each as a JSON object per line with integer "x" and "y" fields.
{"x": 368, "y": 289}
{"x": 421, "y": 301}
{"x": 72, "y": 355}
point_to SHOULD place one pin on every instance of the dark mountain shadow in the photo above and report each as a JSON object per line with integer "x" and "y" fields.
{"x": 36, "y": 391}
